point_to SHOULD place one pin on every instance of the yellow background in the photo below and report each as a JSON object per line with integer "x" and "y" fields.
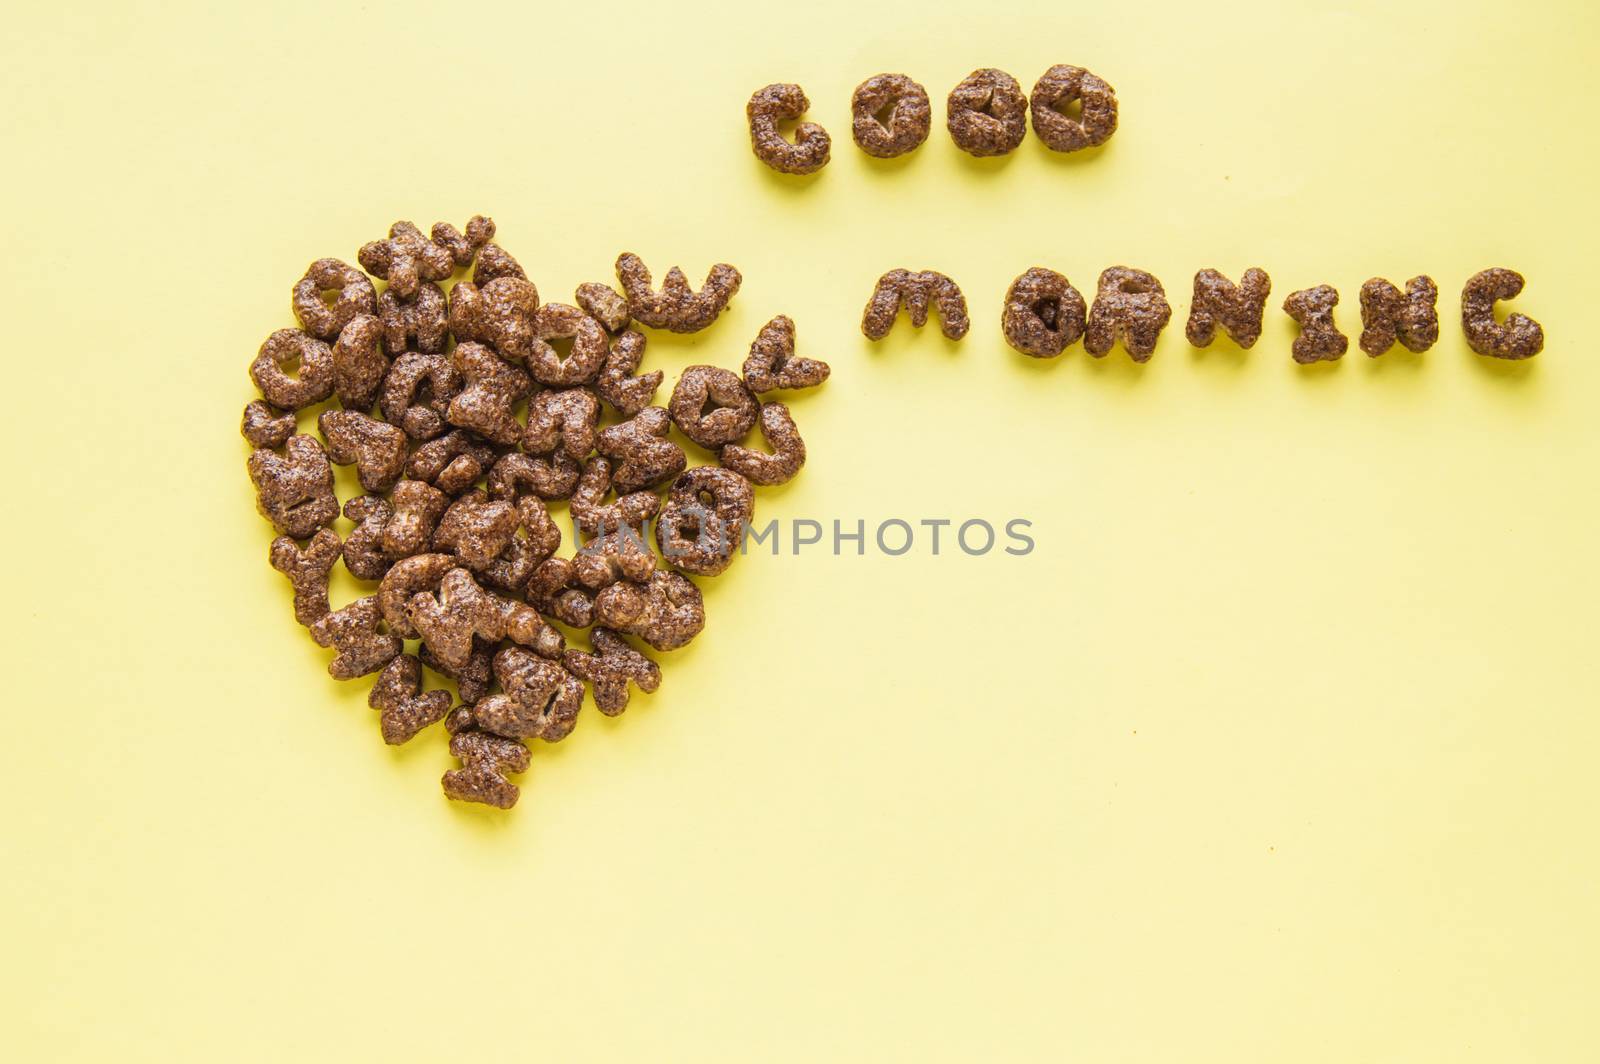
{"x": 1279, "y": 747}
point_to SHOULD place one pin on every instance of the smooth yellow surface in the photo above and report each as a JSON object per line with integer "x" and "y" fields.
{"x": 1280, "y": 747}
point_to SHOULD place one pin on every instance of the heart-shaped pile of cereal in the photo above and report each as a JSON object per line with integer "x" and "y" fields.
{"x": 465, "y": 413}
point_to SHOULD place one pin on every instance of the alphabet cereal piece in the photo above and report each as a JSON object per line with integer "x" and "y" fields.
{"x": 358, "y": 633}
{"x": 264, "y": 425}
{"x": 1237, "y": 308}
{"x": 1520, "y": 337}
{"x": 644, "y": 455}
{"x": 609, "y": 670}
{"x": 462, "y": 611}
{"x": 676, "y": 307}
{"x": 667, "y": 612}
{"x": 407, "y": 258}
{"x": 563, "y": 419}
{"x": 916, "y": 291}
{"x": 1060, "y": 87}
{"x": 492, "y": 388}
{"x": 1129, "y": 305}
{"x": 377, "y": 448}
{"x": 502, "y": 313}
{"x": 294, "y": 490}
{"x": 890, "y": 115}
{"x": 311, "y": 361}
{"x": 788, "y": 450}
{"x": 712, "y": 406}
{"x": 403, "y": 708}
{"x": 1388, "y": 315}
{"x": 541, "y": 699}
{"x": 605, "y": 305}
{"x": 514, "y": 475}
{"x": 356, "y": 296}
{"x": 485, "y": 760}
{"x": 590, "y": 346}
{"x": 772, "y": 104}
{"x": 772, "y": 364}
{"x": 359, "y": 364}
{"x": 1320, "y": 339}
{"x": 1044, "y": 314}
{"x": 422, "y": 320}
{"x": 477, "y": 529}
{"x": 987, "y": 113}
{"x": 703, "y": 522}
{"x": 363, "y": 549}
{"x": 617, "y": 385}
{"x": 593, "y": 515}
{"x": 307, "y": 569}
